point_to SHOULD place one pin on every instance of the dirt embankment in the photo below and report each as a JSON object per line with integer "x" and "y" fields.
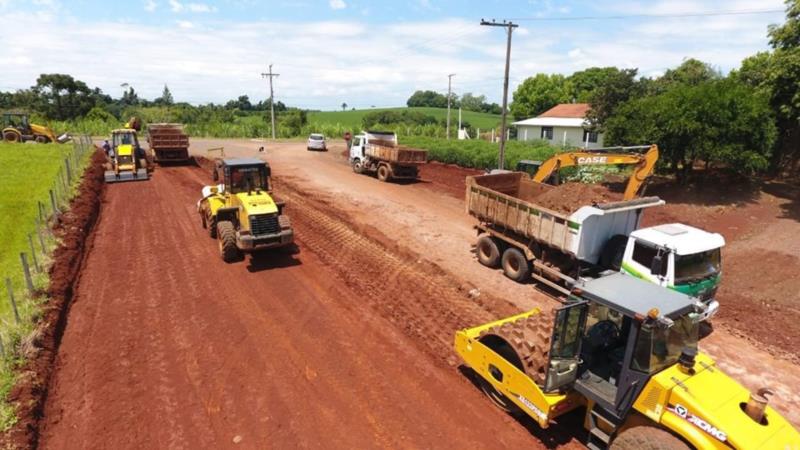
{"x": 72, "y": 229}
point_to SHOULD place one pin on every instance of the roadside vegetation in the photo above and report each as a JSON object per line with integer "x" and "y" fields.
{"x": 29, "y": 172}
{"x": 479, "y": 154}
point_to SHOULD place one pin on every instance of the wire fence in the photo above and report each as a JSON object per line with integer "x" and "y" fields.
{"x": 23, "y": 289}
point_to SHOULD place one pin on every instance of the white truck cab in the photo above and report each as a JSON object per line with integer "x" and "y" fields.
{"x": 679, "y": 257}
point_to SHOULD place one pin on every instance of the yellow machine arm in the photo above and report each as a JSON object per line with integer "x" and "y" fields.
{"x": 645, "y": 163}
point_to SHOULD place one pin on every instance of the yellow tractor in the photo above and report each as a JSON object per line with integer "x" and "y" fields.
{"x": 17, "y": 128}
{"x": 241, "y": 212}
{"x": 643, "y": 157}
{"x": 128, "y": 160}
{"x": 625, "y": 350}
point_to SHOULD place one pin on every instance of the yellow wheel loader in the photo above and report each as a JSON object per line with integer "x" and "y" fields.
{"x": 625, "y": 350}
{"x": 17, "y": 128}
{"x": 128, "y": 160}
{"x": 241, "y": 212}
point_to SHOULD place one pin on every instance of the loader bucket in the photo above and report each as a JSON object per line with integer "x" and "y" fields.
{"x": 139, "y": 175}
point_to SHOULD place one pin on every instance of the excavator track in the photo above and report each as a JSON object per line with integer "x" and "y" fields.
{"x": 530, "y": 339}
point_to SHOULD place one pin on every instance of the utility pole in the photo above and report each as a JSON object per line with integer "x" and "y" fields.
{"x": 271, "y": 75}
{"x": 449, "y": 86}
{"x": 510, "y": 27}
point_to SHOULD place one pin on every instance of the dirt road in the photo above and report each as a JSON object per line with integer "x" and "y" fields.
{"x": 166, "y": 346}
{"x": 429, "y": 220}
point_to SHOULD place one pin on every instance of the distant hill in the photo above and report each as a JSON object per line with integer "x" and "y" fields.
{"x": 352, "y": 119}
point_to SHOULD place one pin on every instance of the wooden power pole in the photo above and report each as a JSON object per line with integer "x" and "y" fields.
{"x": 509, "y": 27}
{"x": 271, "y": 75}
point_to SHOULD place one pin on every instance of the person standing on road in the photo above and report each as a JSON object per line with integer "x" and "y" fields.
{"x": 106, "y": 147}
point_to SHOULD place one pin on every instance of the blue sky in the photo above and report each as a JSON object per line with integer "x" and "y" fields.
{"x": 365, "y": 53}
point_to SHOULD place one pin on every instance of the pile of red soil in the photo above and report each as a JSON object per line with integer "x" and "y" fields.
{"x": 569, "y": 197}
{"x": 447, "y": 177}
{"x": 72, "y": 228}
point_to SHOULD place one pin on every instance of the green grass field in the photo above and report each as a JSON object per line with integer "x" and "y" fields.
{"x": 352, "y": 119}
{"x": 28, "y": 173}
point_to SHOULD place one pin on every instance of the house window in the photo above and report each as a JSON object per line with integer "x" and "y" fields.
{"x": 547, "y": 133}
{"x": 590, "y": 136}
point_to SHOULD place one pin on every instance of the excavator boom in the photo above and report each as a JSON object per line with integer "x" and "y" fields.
{"x": 644, "y": 162}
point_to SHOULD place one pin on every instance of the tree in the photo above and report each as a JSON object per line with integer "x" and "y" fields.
{"x": 583, "y": 84}
{"x": 344, "y": 106}
{"x": 472, "y": 102}
{"x": 427, "y": 98}
{"x": 691, "y": 71}
{"x": 616, "y": 89}
{"x": 166, "y": 97}
{"x": 129, "y": 97}
{"x": 716, "y": 121}
{"x": 537, "y": 94}
{"x": 62, "y": 97}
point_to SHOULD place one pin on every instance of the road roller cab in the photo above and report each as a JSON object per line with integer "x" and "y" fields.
{"x": 241, "y": 212}
{"x": 625, "y": 350}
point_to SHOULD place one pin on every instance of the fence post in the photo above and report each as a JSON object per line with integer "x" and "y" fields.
{"x": 69, "y": 170}
{"x": 27, "y": 271}
{"x": 2, "y": 349}
{"x": 53, "y": 203}
{"x": 11, "y": 297}
{"x": 41, "y": 237}
{"x": 33, "y": 255}
{"x": 41, "y": 211}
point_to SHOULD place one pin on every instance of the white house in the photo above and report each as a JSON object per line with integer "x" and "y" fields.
{"x": 563, "y": 125}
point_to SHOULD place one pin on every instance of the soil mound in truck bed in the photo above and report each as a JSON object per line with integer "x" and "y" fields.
{"x": 569, "y": 197}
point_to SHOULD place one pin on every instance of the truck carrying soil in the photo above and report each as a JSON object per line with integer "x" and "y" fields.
{"x": 168, "y": 142}
{"x": 378, "y": 151}
{"x": 560, "y": 234}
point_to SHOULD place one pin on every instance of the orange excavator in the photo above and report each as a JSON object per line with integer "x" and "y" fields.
{"x": 644, "y": 157}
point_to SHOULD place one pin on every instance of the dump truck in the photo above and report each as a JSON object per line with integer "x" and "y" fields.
{"x": 127, "y": 159}
{"x": 527, "y": 239}
{"x": 168, "y": 142}
{"x": 16, "y": 127}
{"x": 378, "y": 152}
{"x": 241, "y": 212}
{"x": 627, "y": 352}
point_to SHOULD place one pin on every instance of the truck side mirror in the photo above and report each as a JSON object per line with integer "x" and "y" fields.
{"x": 657, "y": 265}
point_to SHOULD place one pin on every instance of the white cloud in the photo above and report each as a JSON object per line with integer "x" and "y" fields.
{"x": 185, "y": 24}
{"x": 150, "y": 6}
{"x": 175, "y": 5}
{"x": 337, "y": 4}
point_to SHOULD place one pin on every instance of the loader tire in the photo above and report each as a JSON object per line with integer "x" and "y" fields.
{"x": 488, "y": 250}
{"x": 384, "y": 173}
{"x": 515, "y": 265}
{"x": 227, "y": 242}
{"x": 647, "y": 438}
{"x": 11, "y": 136}
{"x": 42, "y": 139}
{"x": 529, "y": 337}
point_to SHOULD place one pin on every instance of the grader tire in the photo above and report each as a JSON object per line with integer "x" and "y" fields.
{"x": 488, "y": 250}
{"x": 647, "y": 438}
{"x": 530, "y": 339}
{"x": 227, "y": 242}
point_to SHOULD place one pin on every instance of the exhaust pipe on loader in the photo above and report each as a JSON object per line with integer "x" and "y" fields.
{"x": 757, "y": 404}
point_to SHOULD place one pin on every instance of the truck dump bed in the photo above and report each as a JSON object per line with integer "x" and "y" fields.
{"x": 168, "y": 142}
{"x": 506, "y": 202}
{"x": 395, "y": 154}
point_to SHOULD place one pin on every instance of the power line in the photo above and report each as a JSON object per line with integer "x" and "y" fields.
{"x": 646, "y": 16}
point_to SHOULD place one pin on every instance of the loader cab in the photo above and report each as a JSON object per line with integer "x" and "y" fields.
{"x": 17, "y": 121}
{"x": 126, "y": 146}
{"x": 615, "y": 333}
{"x": 245, "y": 175}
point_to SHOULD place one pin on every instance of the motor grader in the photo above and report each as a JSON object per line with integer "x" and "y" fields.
{"x": 127, "y": 159}
{"x": 241, "y": 212}
{"x": 626, "y": 351}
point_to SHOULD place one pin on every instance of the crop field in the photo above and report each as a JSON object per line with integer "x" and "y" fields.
{"x": 352, "y": 119}
{"x": 478, "y": 154}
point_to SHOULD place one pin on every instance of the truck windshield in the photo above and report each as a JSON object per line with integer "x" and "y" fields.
{"x": 659, "y": 347}
{"x": 244, "y": 179}
{"x": 697, "y": 266}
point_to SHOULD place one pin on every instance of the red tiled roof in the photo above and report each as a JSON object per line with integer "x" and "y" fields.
{"x": 567, "y": 110}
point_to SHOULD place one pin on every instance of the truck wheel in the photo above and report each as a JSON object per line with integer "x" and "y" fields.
{"x": 613, "y": 251}
{"x": 647, "y": 438}
{"x": 515, "y": 265}
{"x": 358, "y": 166}
{"x": 488, "y": 250}
{"x": 384, "y": 174}
{"x": 227, "y": 241}
{"x": 12, "y": 136}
